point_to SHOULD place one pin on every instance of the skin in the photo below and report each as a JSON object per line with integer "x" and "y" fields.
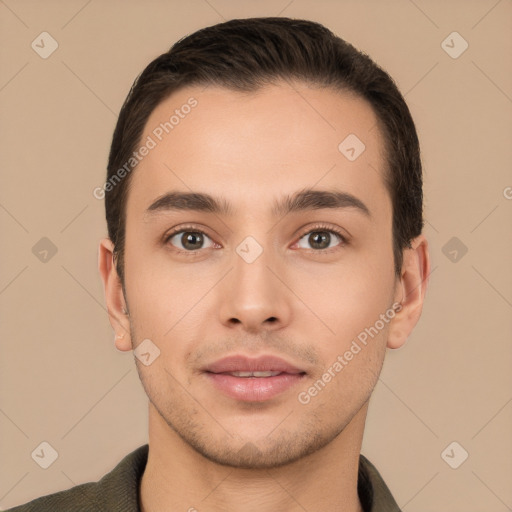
{"x": 302, "y": 303}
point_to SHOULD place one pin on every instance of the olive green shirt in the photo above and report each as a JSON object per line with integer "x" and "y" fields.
{"x": 118, "y": 491}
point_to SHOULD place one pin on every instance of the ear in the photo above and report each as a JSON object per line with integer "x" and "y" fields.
{"x": 114, "y": 297}
{"x": 410, "y": 291}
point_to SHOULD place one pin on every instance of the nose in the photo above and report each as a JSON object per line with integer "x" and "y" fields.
{"x": 252, "y": 297}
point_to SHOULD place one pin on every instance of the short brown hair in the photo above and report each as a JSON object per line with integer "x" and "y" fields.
{"x": 247, "y": 54}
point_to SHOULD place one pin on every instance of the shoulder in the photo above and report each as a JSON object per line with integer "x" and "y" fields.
{"x": 117, "y": 491}
{"x": 374, "y": 494}
{"x": 80, "y": 498}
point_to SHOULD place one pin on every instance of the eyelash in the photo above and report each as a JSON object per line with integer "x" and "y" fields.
{"x": 316, "y": 228}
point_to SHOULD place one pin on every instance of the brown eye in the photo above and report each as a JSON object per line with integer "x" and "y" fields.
{"x": 320, "y": 240}
{"x": 189, "y": 240}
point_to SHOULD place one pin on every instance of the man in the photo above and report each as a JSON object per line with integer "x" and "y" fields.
{"x": 264, "y": 211}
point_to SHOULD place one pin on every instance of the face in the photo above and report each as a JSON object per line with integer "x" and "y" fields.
{"x": 268, "y": 280}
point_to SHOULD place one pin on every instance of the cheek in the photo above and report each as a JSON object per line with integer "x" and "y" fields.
{"x": 349, "y": 296}
{"x": 354, "y": 304}
{"x": 169, "y": 304}
{"x": 159, "y": 290}
{"x": 348, "y": 378}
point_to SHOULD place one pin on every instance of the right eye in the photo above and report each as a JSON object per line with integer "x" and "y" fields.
{"x": 189, "y": 241}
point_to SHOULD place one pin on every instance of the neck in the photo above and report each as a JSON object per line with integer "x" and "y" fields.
{"x": 179, "y": 478}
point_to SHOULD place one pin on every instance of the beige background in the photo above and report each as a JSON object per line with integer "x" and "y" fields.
{"x": 62, "y": 380}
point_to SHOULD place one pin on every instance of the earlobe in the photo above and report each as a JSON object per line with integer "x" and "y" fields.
{"x": 114, "y": 296}
{"x": 412, "y": 287}
{"x": 121, "y": 344}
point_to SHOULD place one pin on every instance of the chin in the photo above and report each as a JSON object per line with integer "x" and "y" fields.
{"x": 259, "y": 453}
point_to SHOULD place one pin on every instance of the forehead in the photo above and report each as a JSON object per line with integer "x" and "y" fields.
{"x": 250, "y": 146}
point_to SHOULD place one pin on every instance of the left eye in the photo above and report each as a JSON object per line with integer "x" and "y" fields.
{"x": 190, "y": 240}
{"x": 320, "y": 239}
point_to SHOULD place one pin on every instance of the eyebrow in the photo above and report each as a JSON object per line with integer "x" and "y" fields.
{"x": 303, "y": 200}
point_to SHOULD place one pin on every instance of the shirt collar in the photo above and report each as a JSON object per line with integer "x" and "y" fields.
{"x": 119, "y": 490}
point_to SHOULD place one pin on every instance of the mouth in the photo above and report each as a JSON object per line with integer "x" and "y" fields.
{"x": 253, "y": 379}
{"x": 252, "y": 374}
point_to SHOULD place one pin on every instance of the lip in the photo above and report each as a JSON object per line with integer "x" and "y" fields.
{"x": 253, "y": 389}
{"x": 241, "y": 363}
